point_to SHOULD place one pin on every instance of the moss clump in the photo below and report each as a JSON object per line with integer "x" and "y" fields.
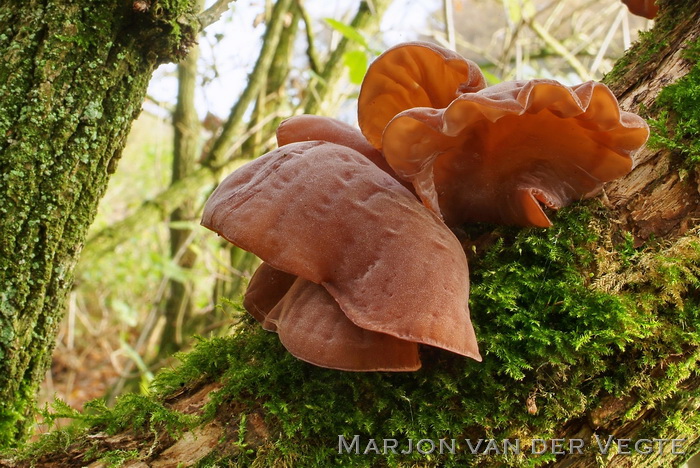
{"x": 568, "y": 318}
{"x": 116, "y": 458}
{"x": 647, "y": 46}
{"x": 139, "y": 413}
{"x": 644, "y": 55}
{"x": 561, "y": 326}
{"x": 136, "y": 411}
{"x": 677, "y": 126}
{"x": 168, "y": 28}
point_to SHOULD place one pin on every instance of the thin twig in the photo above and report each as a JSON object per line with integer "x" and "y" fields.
{"x": 311, "y": 51}
{"x": 511, "y": 34}
{"x": 626, "y": 41}
{"x": 606, "y": 42}
{"x": 448, "y": 9}
{"x": 560, "y": 49}
{"x": 70, "y": 336}
{"x": 212, "y": 14}
{"x": 235, "y": 146}
{"x": 363, "y": 21}
{"x": 481, "y": 51}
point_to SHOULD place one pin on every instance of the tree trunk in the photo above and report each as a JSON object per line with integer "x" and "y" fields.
{"x": 178, "y": 307}
{"x": 590, "y": 332}
{"x": 73, "y": 77}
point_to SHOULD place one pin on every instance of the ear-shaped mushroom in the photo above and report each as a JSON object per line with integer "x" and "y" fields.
{"x": 325, "y": 213}
{"x": 266, "y": 289}
{"x": 313, "y": 127}
{"x": 646, "y": 8}
{"x": 312, "y": 326}
{"x": 498, "y": 154}
{"x": 413, "y": 74}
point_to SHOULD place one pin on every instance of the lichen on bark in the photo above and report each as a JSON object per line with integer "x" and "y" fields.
{"x": 73, "y": 77}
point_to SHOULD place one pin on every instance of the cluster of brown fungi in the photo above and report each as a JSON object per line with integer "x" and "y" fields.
{"x": 359, "y": 263}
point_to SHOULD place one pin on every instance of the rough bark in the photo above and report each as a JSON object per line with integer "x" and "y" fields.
{"x": 73, "y": 78}
{"x": 657, "y": 198}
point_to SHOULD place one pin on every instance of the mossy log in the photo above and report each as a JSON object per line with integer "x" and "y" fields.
{"x": 590, "y": 332}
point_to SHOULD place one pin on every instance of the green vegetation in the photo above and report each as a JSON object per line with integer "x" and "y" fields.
{"x": 677, "y": 126}
{"x": 645, "y": 54}
{"x": 116, "y": 458}
{"x": 137, "y": 412}
{"x": 555, "y": 316}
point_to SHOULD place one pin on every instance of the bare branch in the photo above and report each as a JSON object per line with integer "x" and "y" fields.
{"x": 311, "y": 52}
{"x": 212, "y": 14}
{"x": 221, "y": 150}
{"x": 364, "y": 20}
{"x": 448, "y": 9}
{"x": 560, "y": 49}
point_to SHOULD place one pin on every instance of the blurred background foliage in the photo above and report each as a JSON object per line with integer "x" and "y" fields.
{"x": 151, "y": 279}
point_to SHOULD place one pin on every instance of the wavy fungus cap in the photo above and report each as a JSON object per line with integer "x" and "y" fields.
{"x": 413, "y": 74}
{"x": 313, "y": 327}
{"x": 366, "y": 248}
{"x": 646, "y": 8}
{"x": 497, "y": 154}
{"x": 307, "y": 127}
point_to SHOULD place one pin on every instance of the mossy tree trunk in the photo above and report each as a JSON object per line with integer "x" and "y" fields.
{"x": 72, "y": 79}
{"x": 589, "y": 329}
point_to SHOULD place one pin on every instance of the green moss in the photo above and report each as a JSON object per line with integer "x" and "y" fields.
{"x": 675, "y": 115}
{"x": 677, "y": 126}
{"x": 56, "y": 441}
{"x": 645, "y": 49}
{"x": 116, "y": 458}
{"x": 565, "y": 316}
{"x": 555, "y": 320}
{"x": 168, "y": 28}
{"x": 139, "y": 413}
{"x": 645, "y": 52}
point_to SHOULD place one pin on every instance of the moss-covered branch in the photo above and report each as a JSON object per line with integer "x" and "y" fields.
{"x": 569, "y": 354}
